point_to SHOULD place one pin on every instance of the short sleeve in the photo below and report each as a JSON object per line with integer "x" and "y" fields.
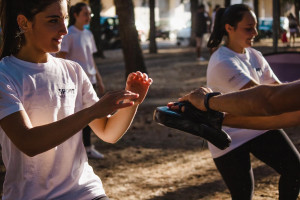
{"x": 94, "y": 47}
{"x": 89, "y": 96}
{"x": 9, "y": 99}
{"x": 227, "y": 76}
{"x": 66, "y": 43}
{"x": 268, "y": 75}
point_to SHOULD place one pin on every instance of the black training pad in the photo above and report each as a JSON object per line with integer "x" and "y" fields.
{"x": 203, "y": 124}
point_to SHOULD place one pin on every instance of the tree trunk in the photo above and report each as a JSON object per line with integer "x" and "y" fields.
{"x": 227, "y": 3}
{"x": 256, "y": 10}
{"x": 194, "y": 7}
{"x": 134, "y": 60}
{"x": 276, "y": 24}
{"x": 95, "y": 26}
{"x": 152, "y": 45}
{"x": 297, "y": 8}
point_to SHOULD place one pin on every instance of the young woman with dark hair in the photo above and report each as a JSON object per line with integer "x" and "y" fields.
{"x": 46, "y": 101}
{"x": 236, "y": 66}
{"x": 79, "y": 45}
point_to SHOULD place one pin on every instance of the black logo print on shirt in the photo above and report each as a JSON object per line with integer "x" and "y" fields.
{"x": 259, "y": 71}
{"x": 66, "y": 92}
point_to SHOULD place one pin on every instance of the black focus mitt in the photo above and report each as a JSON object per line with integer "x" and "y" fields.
{"x": 207, "y": 125}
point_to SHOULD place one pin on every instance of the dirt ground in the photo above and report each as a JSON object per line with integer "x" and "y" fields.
{"x": 153, "y": 162}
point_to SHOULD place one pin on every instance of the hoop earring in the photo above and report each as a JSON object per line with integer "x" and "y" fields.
{"x": 20, "y": 32}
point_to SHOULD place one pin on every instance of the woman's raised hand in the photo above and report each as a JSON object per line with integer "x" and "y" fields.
{"x": 139, "y": 83}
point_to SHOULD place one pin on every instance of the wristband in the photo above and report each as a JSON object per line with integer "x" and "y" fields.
{"x": 207, "y": 97}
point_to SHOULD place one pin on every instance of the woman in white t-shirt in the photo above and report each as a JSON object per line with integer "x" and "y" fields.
{"x": 237, "y": 66}
{"x": 79, "y": 45}
{"x": 46, "y": 101}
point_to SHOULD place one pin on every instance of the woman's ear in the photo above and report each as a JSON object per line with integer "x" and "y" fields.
{"x": 23, "y": 23}
{"x": 229, "y": 28}
{"x": 75, "y": 15}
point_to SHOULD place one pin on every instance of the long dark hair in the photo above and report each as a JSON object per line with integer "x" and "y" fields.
{"x": 9, "y": 10}
{"x": 232, "y": 16}
{"x": 76, "y": 9}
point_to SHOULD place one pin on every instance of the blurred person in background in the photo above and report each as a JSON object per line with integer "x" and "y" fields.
{"x": 293, "y": 28}
{"x": 202, "y": 21}
{"x": 79, "y": 45}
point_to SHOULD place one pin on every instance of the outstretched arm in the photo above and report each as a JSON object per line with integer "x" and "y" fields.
{"x": 112, "y": 129}
{"x": 261, "y": 100}
{"x": 257, "y": 101}
{"x": 35, "y": 140}
{"x": 284, "y": 120}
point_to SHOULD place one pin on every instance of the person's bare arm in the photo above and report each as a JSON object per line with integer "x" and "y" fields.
{"x": 284, "y": 120}
{"x": 118, "y": 124}
{"x": 260, "y": 100}
{"x": 34, "y": 140}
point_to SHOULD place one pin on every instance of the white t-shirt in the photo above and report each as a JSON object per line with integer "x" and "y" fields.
{"x": 80, "y": 46}
{"x": 47, "y": 92}
{"x": 229, "y": 71}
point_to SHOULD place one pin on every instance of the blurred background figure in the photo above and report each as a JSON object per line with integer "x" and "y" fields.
{"x": 201, "y": 28}
{"x": 293, "y": 26}
{"x": 79, "y": 45}
{"x": 213, "y": 16}
{"x": 284, "y": 38}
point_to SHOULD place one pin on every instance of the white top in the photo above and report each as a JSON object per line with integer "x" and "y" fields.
{"x": 213, "y": 16}
{"x": 229, "y": 71}
{"x": 47, "y": 92}
{"x": 80, "y": 46}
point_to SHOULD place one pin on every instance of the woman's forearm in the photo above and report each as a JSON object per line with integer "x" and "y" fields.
{"x": 115, "y": 126}
{"x": 35, "y": 140}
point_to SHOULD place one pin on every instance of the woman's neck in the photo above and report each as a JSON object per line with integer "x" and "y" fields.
{"x": 79, "y": 26}
{"x": 235, "y": 48}
{"x": 32, "y": 56}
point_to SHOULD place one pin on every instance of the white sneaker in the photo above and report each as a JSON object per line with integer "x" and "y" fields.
{"x": 93, "y": 153}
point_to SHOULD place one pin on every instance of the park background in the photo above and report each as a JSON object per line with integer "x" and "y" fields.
{"x": 153, "y": 162}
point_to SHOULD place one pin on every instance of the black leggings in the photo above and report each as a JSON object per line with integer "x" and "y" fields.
{"x": 273, "y": 148}
{"x": 86, "y": 131}
{"x": 86, "y": 136}
{"x": 101, "y": 198}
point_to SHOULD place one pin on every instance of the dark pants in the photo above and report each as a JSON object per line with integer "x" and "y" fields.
{"x": 273, "y": 148}
{"x": 86, "y": 136}
{"x": 101, "y": 198}
{"x": 86, "y": 132}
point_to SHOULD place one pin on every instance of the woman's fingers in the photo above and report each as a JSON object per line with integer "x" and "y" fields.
{"x": 184, "y": 98}
{"x": 150, "y": 81}
{"x": 128, "y": 96}
{"x": 145, "y": 77}
{"x": 140, "y": 76}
